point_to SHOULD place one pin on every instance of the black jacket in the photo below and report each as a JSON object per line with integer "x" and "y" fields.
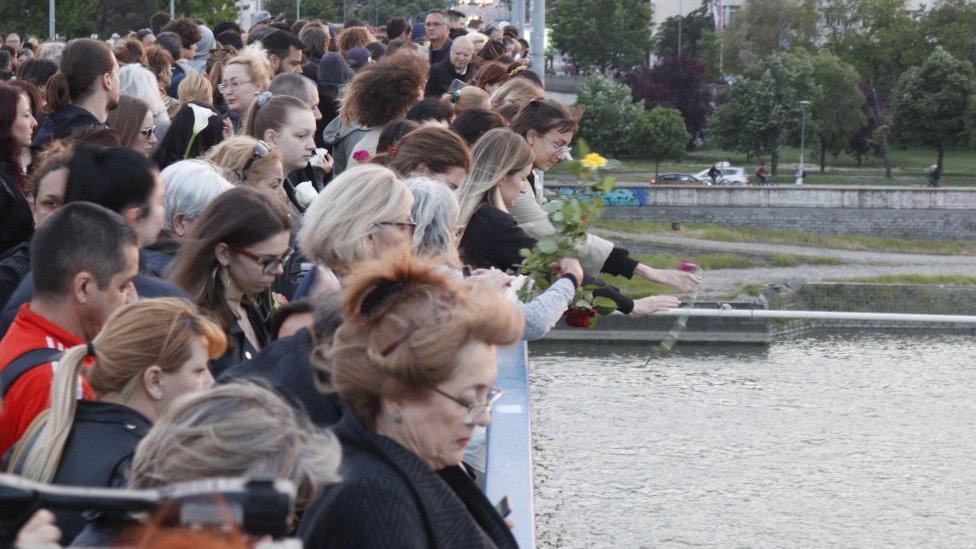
{"x": 14, "y": 266}
{"x": 436, "y": 56}
{"x": 286, "y": 366}
{"x": 390, "y": 498}
{"x": 442, "y": 75}
{"x": 493, "y": 238}
{"x": 16, "y": 221}
{"x": 64, "y": 123}
{"x": 239, "y": 347}
{"x": 155, "y": 258}
{"x": 97, "y": 454}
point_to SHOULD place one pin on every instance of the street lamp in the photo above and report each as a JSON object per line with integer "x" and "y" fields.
{"x": 803, "y": 139}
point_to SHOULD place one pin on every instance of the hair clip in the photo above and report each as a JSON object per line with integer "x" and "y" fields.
{"x": 89, "y": 349}
{"x": 264, "y": 98}
{"x": 392, "y": 150}
{"x": 388, "y": 350}
{"x": 516, "y": 70}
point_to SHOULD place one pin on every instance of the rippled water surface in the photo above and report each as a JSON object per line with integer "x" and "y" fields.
{"x": 864, "y": 440}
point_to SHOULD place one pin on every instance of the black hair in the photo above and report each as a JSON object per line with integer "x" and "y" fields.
{"x": 471, "y": 124}
{"x": 353, "y": 23}
{"x": 392, "y": 132}
{"x": 224, "y": 26}
{"x": 431, "y": 108}
{"x": 170, "y": 41}
{"x": 143, "y": 33}
{"x": 179, "y": 142}
{"x": 508, "y": 112}
{"x": 230, "y": 38}
{"x": 159, "y": 20}
{"x": 376, "y": 50}
{"x": 283, "y": 313}
{"x": 117, "y": 178}
{"x": 279, "y": 42}
{"x": 4, "y": 58}
{"x": 79, "y": 237}
{"x": 396, "y": 27}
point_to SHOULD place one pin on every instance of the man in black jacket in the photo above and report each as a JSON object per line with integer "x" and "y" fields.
{"x": 458, "y": 66}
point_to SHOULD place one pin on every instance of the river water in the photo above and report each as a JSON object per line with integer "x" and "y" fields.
{"x": 865, "y": 440}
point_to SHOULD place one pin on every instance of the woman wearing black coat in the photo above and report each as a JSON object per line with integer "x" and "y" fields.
{"x": 16, "y": 128}
{"x": 415, "y": 361}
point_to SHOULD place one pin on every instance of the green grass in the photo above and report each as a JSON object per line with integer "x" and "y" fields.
{"x": 908, "y": 167}
{"x": 915, "y": 279}
{"x": 795, "y": 238}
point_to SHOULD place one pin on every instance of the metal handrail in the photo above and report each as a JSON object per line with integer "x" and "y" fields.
{"x": 819, "y": 315}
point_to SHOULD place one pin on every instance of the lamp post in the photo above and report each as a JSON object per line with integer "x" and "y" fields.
{"x": 50, "y": 20}
{"x": 803, "y": 139}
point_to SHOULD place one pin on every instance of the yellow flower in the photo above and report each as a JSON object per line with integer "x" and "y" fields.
{"x": 593, "y": 161}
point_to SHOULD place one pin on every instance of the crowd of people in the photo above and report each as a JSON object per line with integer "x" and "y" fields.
{"x": 285, "y": 251}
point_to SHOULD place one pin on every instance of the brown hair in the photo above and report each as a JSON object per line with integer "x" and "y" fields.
{"x": 231, "y": 155}
{"x": 56, "y": 156}
{"x": 130, "y": 50}
{"x": 158, "y": 59}
{"x": 239, "y": 217}
{"x": 83, "y": 62}
{"x": 491, "y": 73}
{"x": 273, "y": 115}
{"x": 126, "y": 118}
{"x": 517, "y": 91}
{"x": 353, "y": 37}
{"x": 151, "y": 332}
{"x": 437, "y": 148}
{"x": 543, "y": 116}
{"x": 315, "y": 39}
{"x": 404, "y": 321}
{"x": 384, "y": 90}
{"x": 468, "y": 97}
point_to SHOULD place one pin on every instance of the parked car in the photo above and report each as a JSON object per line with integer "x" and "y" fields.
{"x": 730, "y": 175}
{"x": 679, "y": 179}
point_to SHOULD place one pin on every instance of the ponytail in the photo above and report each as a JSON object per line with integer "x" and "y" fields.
{"x": 57, "y": 92}
{"x": 50, "y": 430}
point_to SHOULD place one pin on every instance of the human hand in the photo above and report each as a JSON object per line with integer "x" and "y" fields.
{"x": 654, "y": 304}
{"x": 680, "y": 280}
{"x": 569, "y": 265}
{"x": 228, "y": 130}
{"x": 40, "y": 531}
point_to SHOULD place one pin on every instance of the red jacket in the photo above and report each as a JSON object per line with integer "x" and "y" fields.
{"x": 31, "y": 394}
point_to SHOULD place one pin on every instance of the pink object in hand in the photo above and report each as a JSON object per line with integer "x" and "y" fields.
{"x": 687, "y": 266}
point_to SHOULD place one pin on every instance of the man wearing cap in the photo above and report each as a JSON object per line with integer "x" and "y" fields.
{"x": 457, "y": 67}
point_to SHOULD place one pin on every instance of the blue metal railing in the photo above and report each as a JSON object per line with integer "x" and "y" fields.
{"x": 509, "y": 455}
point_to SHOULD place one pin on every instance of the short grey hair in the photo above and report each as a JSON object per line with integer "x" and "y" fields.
{"x": 435, "y": 211}
{"x": 53, "y": 51}
{"x": 140, "y": 82}
{"x": 190, "y": 186}
{"x": 294, "y": 85}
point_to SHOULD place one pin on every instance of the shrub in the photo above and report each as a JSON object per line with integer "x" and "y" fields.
{"x": 609, "y": 113}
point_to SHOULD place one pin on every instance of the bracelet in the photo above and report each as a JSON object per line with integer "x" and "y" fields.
{"x": 572, "y": 278}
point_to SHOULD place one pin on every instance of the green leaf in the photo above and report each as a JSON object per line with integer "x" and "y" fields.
{"x": 525, "y": 252}
{"x": 548, "y": 245}
{"x": 604, "y": 305}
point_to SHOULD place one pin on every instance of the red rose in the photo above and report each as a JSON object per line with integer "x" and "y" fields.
{"x": 361, "y": 156}
{"x": 687, "y": 266}
{"x": 580, "y": 317}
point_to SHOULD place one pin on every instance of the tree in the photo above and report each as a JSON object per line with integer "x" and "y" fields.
{"x": 674, "y": 82}
{"x": 836, "y": 109}
{"x": 932, "y": 101}
{"x": 763, "y": 106}
{"x": 693, "y": 29}
{"x": 326, "y": 10}
{"x": 609, "y": 113}
{"x": 764, "y": 27}
{"x": 886, "y": 42}
{"x": 602, "y": 34}
{"x": 660, "y": 134}
{"x": 866, "y": 140}
{"x": 950, "y": 24}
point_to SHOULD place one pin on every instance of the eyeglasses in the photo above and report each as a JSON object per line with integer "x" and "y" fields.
{"x": 475, "y": 408}
{"x": 561, "y": 150}
{"x": 261, "y": 150}
{"x": 232, "y": 85}
{"x": 148, "y": 132}
{"x": 269, "y": 263}
{"x": 408, "y": 226}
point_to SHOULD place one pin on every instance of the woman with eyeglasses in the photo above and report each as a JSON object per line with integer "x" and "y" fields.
{"x": 548, "y": 127}
{"x": 415, "y": 361}
{"x": 252, "y": 163}
{"x": 134, "y": 124}
{"x": 361, "y": 215}
{"x": 237, "y": 248}
{"x": 243, "y": 79}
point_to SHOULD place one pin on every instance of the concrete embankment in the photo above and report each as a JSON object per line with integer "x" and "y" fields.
{"x": 840, "y": 296}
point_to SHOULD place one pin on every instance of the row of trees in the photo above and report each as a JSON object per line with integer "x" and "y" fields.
{"x": 103, "y": 17}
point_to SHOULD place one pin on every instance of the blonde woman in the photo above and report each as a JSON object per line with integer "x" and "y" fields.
{"x": 492, "y": 237}
{"x": 252, "y": 163}
{"x": 362, "y": 214}
{"x": 148, "y": 354}
{"x": 517, "y": 91}
{"x": 234, "y": 430}
{"x": 194, "y": 87}
{"x": 468, "y": 97}
{"x": 244, "y": 78}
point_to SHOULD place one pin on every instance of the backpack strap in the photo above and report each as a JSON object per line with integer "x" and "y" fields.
{"x": 22, "y": 364}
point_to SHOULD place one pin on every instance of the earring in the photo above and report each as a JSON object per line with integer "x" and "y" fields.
{"x": 397, "y": 418}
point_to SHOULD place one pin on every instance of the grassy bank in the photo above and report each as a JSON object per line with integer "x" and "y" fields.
{"x": 958, "y": 280}
{"x": 796, "y": 238}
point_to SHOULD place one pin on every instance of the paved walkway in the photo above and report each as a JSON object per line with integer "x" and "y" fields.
{"x": 858, "y": 264}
